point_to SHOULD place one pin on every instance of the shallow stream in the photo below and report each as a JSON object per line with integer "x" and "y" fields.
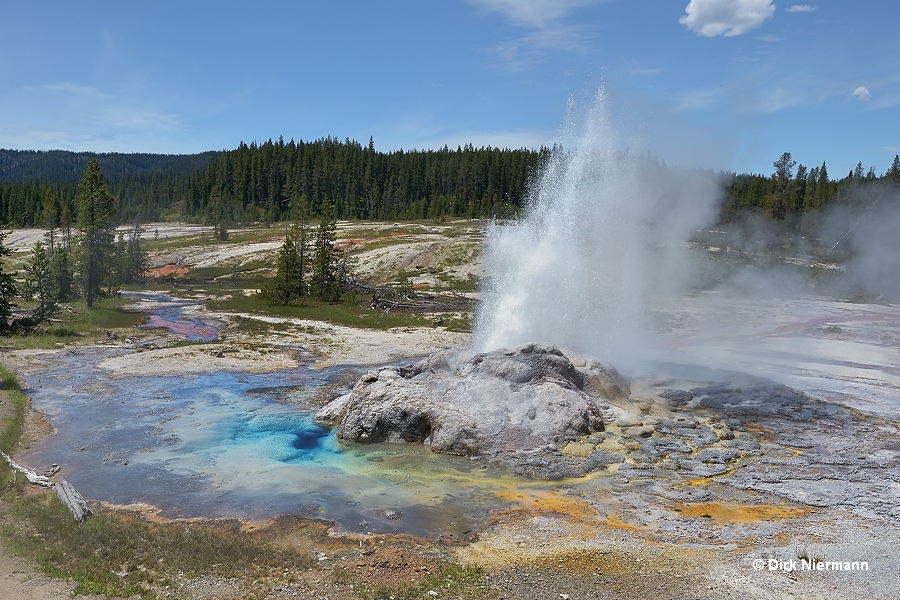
{"x": 241, "y": 445}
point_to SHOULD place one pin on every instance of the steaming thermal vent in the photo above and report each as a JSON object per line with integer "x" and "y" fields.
{"x": 604, "y": 233}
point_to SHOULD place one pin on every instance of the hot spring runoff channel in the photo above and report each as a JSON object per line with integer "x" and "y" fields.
{"x": 242, "y": 445}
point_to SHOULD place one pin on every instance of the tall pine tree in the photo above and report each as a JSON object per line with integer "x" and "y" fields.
{"x": 61, "y": 274}
{"x": 287, "y": 282}
{"x": 894, "y": 172}
{"x": 96, "y": 207}
{"x": 8, "y": 289}
{"x": 325, "y": 284}
{"x": 40, "y": 283}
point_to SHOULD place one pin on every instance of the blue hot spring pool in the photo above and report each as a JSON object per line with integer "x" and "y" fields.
{"x": 243, "y": 445}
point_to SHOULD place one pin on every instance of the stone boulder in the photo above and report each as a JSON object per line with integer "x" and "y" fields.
{"x": 490, "y": 404}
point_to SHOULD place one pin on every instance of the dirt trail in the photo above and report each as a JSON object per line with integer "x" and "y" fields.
{"x": 21, "y": 581}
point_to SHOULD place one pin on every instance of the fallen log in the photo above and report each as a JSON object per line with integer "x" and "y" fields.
{"x": 398, "y": 298}
{"x": 424, "y": 304}
{"x": 64, "y": 490}
{"x": 73, "y": 500}
{"x": 30, "y": 475}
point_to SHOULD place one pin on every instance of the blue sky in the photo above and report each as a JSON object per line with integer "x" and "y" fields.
{"x": 727, "y": 84}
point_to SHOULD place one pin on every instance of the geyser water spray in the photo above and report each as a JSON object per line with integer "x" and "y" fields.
{"x": 604, "y": 234}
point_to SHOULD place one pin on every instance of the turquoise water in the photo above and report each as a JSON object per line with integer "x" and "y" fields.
{"x": 241, "y": 445}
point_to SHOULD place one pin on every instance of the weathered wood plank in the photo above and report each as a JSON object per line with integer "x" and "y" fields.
{"x": 73, "y": 500}
{"x": 64, "y": 490}
{"x": 30, "y": 475}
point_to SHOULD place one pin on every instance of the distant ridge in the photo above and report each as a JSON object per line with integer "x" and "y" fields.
{"x": 64, "y": 166}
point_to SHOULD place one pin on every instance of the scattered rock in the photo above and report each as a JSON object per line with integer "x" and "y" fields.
{"x": 712, "y": 456}
{"x": 680, "y": 397}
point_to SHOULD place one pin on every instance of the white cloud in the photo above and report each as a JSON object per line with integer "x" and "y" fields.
{"x": 38, "y": 139}
{"x": 546, "y": 28}
{"x": 710, "y": 18}
{"x": 521, "y": 53}
{"x": 698, "y": 99}
{"x": 800, "y": 8}
{"x": 149, "y": 120}
{"x": 85, "y": 91}
{"x": 779, "y": 99}
{"x": 536, "y": 14}
{"x": 563, "y": 37}
{"x": 862, "y": 92}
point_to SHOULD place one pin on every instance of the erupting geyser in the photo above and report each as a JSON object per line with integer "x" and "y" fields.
{"x": 604, "y": 232}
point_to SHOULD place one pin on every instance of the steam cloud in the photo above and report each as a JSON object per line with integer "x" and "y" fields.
{"x": 603, "y": 257}
{"x": 861, "y": 231}
{"x": 604, "y": 233}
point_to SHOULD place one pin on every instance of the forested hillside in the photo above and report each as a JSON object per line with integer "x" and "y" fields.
{"x": 146, "y": 185}
{"x": 265, "y": 182}
{"x": 787, "y": 194}
{"x": 66, "y": 167}
{"x": 262, "y": 182}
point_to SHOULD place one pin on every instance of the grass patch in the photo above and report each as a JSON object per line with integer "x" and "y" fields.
{"x": 459, "y": 254}
{"x": 62, "y": 332}
{"x": 453, "y": 284}
{"x": 455, "y": 581}
{"x": 176, "y": 242}
{"x": 205, "y": 238}
{"x": 457, "y": 322}
{"x": 108, "y": 314}
{"x": 349, "y": 313}
{"x": 76, "y": 322}
{"x": 206, "y": 273}
{"x": 121, "y": 555}
{"x": 459, "y": 581}
{"x": 12, "y": 426}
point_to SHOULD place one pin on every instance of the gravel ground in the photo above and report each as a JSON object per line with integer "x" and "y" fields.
{"x": 21, "y": 581}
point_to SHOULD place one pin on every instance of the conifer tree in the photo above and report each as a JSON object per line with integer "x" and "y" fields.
{"x": 285, "y": 285}
{"x": 823, "y": 188}
{"x": 61, "y": 274}
{"x": 894, "y": 172}
{"x": 96, "y": 207}
{"x": 40, "y": 284}
{"x": 302, "y": 237}
{"x": 8, "y": 289}
{"x": 50, "y": 217}
{"x": 133, "y": 258}
{"x": 65, "y": 226}
{"x": 809, "y": 195}
{"x": 783, "y": 184}
{"x": 325, "y": 284}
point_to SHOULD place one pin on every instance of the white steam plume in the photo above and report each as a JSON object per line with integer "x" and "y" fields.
{"x": 604, "y": 233}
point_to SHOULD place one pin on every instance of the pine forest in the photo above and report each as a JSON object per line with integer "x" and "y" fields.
{"x": 264, "y": 183}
